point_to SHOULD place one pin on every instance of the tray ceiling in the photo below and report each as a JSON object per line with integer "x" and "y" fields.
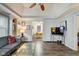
{"x": 52, "y": 10}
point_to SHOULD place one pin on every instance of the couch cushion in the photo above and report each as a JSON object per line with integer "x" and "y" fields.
{"x": 10, "y": 46}
{"x": 11, "y": 39}
{"x": 3, "y": 51}
{"x": 6, "y": 49}
{"x": 3, "y": 41}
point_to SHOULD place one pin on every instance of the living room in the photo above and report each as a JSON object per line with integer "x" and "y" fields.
{"x": 19, "y": 20}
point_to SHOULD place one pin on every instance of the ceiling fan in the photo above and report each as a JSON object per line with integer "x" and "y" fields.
{"x": 42, "y": 7}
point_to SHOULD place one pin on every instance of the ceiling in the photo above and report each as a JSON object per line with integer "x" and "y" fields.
{"x": 52, "y": 10}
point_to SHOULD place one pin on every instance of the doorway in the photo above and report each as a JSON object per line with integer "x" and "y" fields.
{"x": 37, "y": 30}
{"x": 78, "y": 32}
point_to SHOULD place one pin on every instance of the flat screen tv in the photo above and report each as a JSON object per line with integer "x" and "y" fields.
{"x": 57, "y": 30}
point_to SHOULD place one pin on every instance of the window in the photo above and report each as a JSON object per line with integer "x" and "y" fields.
{"x": 3, "y": 25}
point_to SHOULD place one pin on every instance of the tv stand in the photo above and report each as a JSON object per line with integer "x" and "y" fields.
{"x": 57, "y": 38}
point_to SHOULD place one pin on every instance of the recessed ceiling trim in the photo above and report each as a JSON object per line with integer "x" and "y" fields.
{"x": 38, "y": 17}
{"x": 11, "y": 10}
{"x": 32, "y": 17}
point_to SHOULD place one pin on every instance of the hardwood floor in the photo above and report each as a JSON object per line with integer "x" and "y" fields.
{"x": 54, "y": 49}
{"x": 39, "y": 48}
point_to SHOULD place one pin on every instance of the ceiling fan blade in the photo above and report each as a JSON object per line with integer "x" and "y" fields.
{"x": 42, "y": 7}
{"x": 32, "y": 5}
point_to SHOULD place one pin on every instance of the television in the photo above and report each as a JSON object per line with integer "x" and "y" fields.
{"x": 57, "y": 30}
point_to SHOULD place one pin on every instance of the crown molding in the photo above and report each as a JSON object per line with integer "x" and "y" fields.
{"x": 11, "y": 9}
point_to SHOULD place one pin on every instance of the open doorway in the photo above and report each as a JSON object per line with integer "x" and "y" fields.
{"x": 37, "y": 30}
{"x": 78, "y": 32}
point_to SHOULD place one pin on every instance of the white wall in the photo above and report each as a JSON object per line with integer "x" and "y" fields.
{"x": 11, "y": 26}
{"x": 48, "y": 23}
{"x": 78, "y": 23}
{"x": 71, "y": 33}
{"x": 28, "y": 34}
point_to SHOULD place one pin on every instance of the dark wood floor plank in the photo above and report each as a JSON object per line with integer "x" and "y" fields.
{"x": 39, "y": 48}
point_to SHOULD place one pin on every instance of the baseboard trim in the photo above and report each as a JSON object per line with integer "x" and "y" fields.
{"x": 26, "y": 41}
{"x": 53, "y": 42}
{"x": 50, "y": 41}
{"x": 70, "y": 47}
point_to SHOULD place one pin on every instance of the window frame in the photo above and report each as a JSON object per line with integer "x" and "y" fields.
{"x": 8, "y": 21}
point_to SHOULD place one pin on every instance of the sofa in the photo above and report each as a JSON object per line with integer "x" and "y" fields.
{"x": 5, "y": 48}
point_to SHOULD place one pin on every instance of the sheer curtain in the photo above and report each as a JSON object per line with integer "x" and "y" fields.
{"x": 3, "y": 25}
